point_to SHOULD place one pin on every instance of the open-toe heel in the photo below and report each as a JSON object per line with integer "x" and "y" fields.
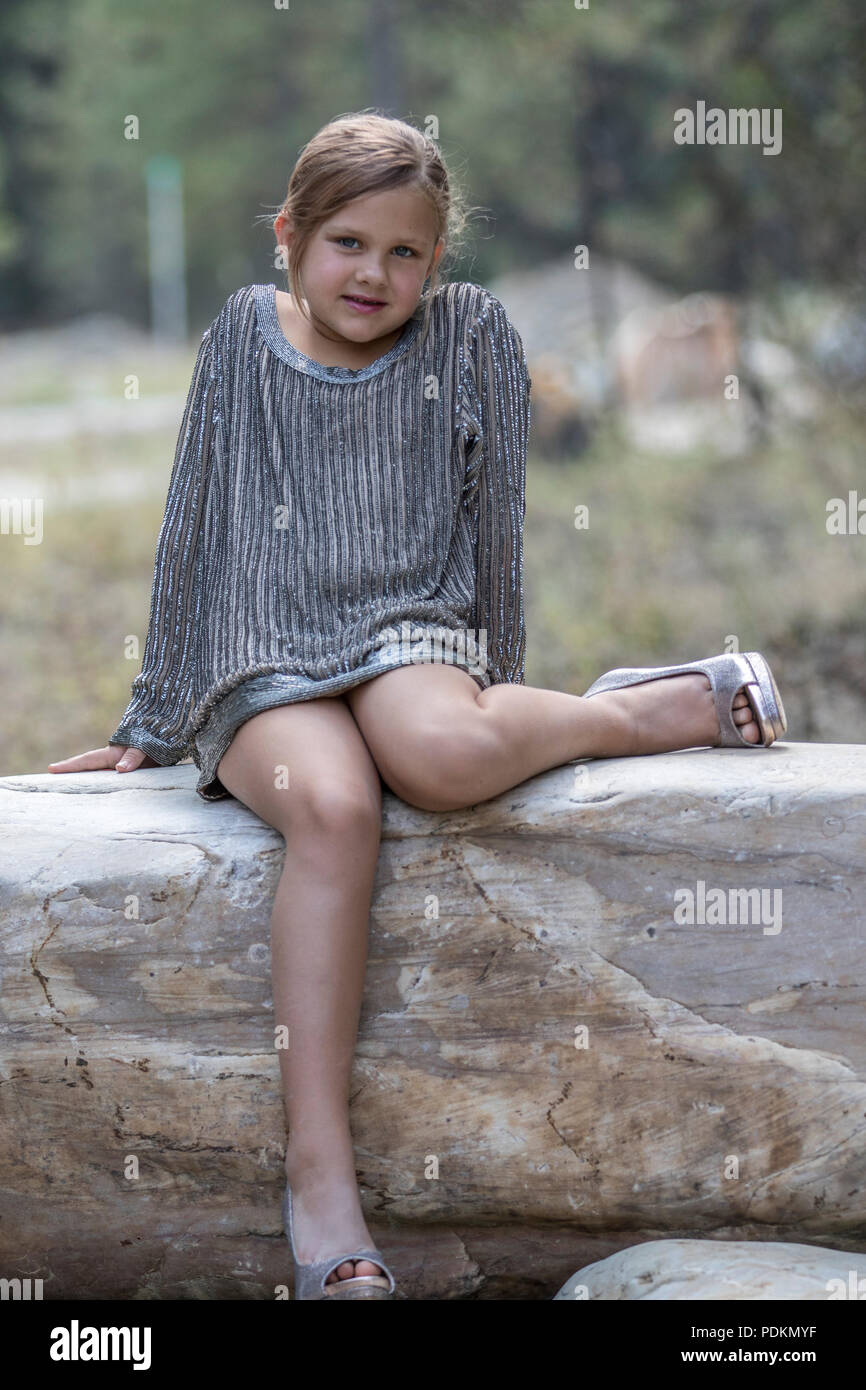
{"x": 310, "y": 1279}
{"x": 728, "y": 674}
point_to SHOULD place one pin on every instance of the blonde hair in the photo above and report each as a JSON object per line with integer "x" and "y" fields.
{"x": 358, "y": 154}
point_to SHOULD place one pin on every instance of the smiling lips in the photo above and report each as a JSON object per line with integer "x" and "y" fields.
{"x": 364, "y": 303}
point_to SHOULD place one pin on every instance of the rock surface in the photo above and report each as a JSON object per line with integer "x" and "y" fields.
{"x": 550, "y": 1067}
{"x": 722, "y": 1269}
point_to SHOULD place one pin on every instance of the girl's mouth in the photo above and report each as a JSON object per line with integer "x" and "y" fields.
{"x": 364, "y": 306}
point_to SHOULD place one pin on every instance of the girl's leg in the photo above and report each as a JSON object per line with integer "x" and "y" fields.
{"x": 330, "y": 817}
{"x": 442, "y": 743}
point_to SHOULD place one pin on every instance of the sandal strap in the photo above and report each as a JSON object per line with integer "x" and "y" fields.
{"x": 728, "y": 673}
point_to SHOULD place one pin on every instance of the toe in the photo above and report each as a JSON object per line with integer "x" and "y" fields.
{"x": 351, "y": 1269}
{"x": 744, "y": 718}
{"x": 742, "y": 711}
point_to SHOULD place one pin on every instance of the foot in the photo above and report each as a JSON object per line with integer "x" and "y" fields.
{"x": 327, "y": 1218}
{"x": 672, "y": 712}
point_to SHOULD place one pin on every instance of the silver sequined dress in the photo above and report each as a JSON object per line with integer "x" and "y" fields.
{"x": 326, "y": 524}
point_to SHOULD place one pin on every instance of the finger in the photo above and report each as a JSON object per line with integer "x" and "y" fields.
{"x": 132, "y": 758}
{"x": 92, "y": 761}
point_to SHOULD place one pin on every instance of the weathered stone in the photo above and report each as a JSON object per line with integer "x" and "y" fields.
{"x": 722, "y": 1269}
{"x": 720, "y": 1091}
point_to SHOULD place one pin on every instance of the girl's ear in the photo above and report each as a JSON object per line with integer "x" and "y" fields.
{"x": 437, "y": 252}
{"x": 283, "y": 227}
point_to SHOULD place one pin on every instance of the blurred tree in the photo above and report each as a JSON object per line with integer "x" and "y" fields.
{"x": 558, "y": 121}
{"x": 33, "y": 50}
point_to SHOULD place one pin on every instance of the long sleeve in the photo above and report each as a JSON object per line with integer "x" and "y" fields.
{"x": 495, "y": 418}
{"x": 157, "y": 717}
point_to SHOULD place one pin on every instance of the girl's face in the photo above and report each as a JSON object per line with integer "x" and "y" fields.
{"x": 380, "y": 248}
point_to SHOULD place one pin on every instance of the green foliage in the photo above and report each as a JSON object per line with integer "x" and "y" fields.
{"x": 560, "y": 122}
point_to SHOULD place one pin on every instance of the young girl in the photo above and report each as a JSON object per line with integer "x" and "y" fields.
{"x": 338, "y": 603}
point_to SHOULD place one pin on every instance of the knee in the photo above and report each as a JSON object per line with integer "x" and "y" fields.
{"x": 440, "y": 766}
{"x": 332, "y": 809}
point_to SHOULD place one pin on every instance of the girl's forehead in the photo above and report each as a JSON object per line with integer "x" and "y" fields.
{"x": 406, "y": 204}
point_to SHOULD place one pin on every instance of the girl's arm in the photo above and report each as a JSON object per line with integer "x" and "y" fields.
{"x": 495, "y": 410}
{"x": 157, "y": 717}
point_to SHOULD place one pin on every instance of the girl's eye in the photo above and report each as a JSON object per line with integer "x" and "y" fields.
{"x": 341, "y": 239}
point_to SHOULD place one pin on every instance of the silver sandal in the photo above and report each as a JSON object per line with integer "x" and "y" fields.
{"x": 728, "y": 674}
{"x": 310, "y": 1279}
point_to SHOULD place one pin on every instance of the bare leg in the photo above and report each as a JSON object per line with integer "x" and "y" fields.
{"x": 330, "y": 816}
{"x": 441, "y": 743}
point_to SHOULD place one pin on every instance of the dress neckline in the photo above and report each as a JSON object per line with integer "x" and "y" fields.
{"x": 269, "y": 326}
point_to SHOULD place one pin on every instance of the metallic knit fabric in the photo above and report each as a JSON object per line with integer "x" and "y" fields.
{"x": 325, "y": 524}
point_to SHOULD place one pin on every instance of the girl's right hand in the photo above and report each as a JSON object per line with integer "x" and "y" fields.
{"x": 114, "y": 755}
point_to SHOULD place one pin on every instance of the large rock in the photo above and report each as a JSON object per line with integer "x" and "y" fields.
{"x": 587, "y": 1069}
{"x": 722, "y": 1270}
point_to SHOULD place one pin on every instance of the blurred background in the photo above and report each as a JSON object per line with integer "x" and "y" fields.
{"x": 694, "y": 315}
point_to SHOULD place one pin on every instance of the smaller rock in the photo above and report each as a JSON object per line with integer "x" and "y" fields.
{"x": 721, "y": 1269}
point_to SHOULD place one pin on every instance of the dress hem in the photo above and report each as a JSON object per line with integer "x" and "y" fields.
{"x": 269, "y": 691}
